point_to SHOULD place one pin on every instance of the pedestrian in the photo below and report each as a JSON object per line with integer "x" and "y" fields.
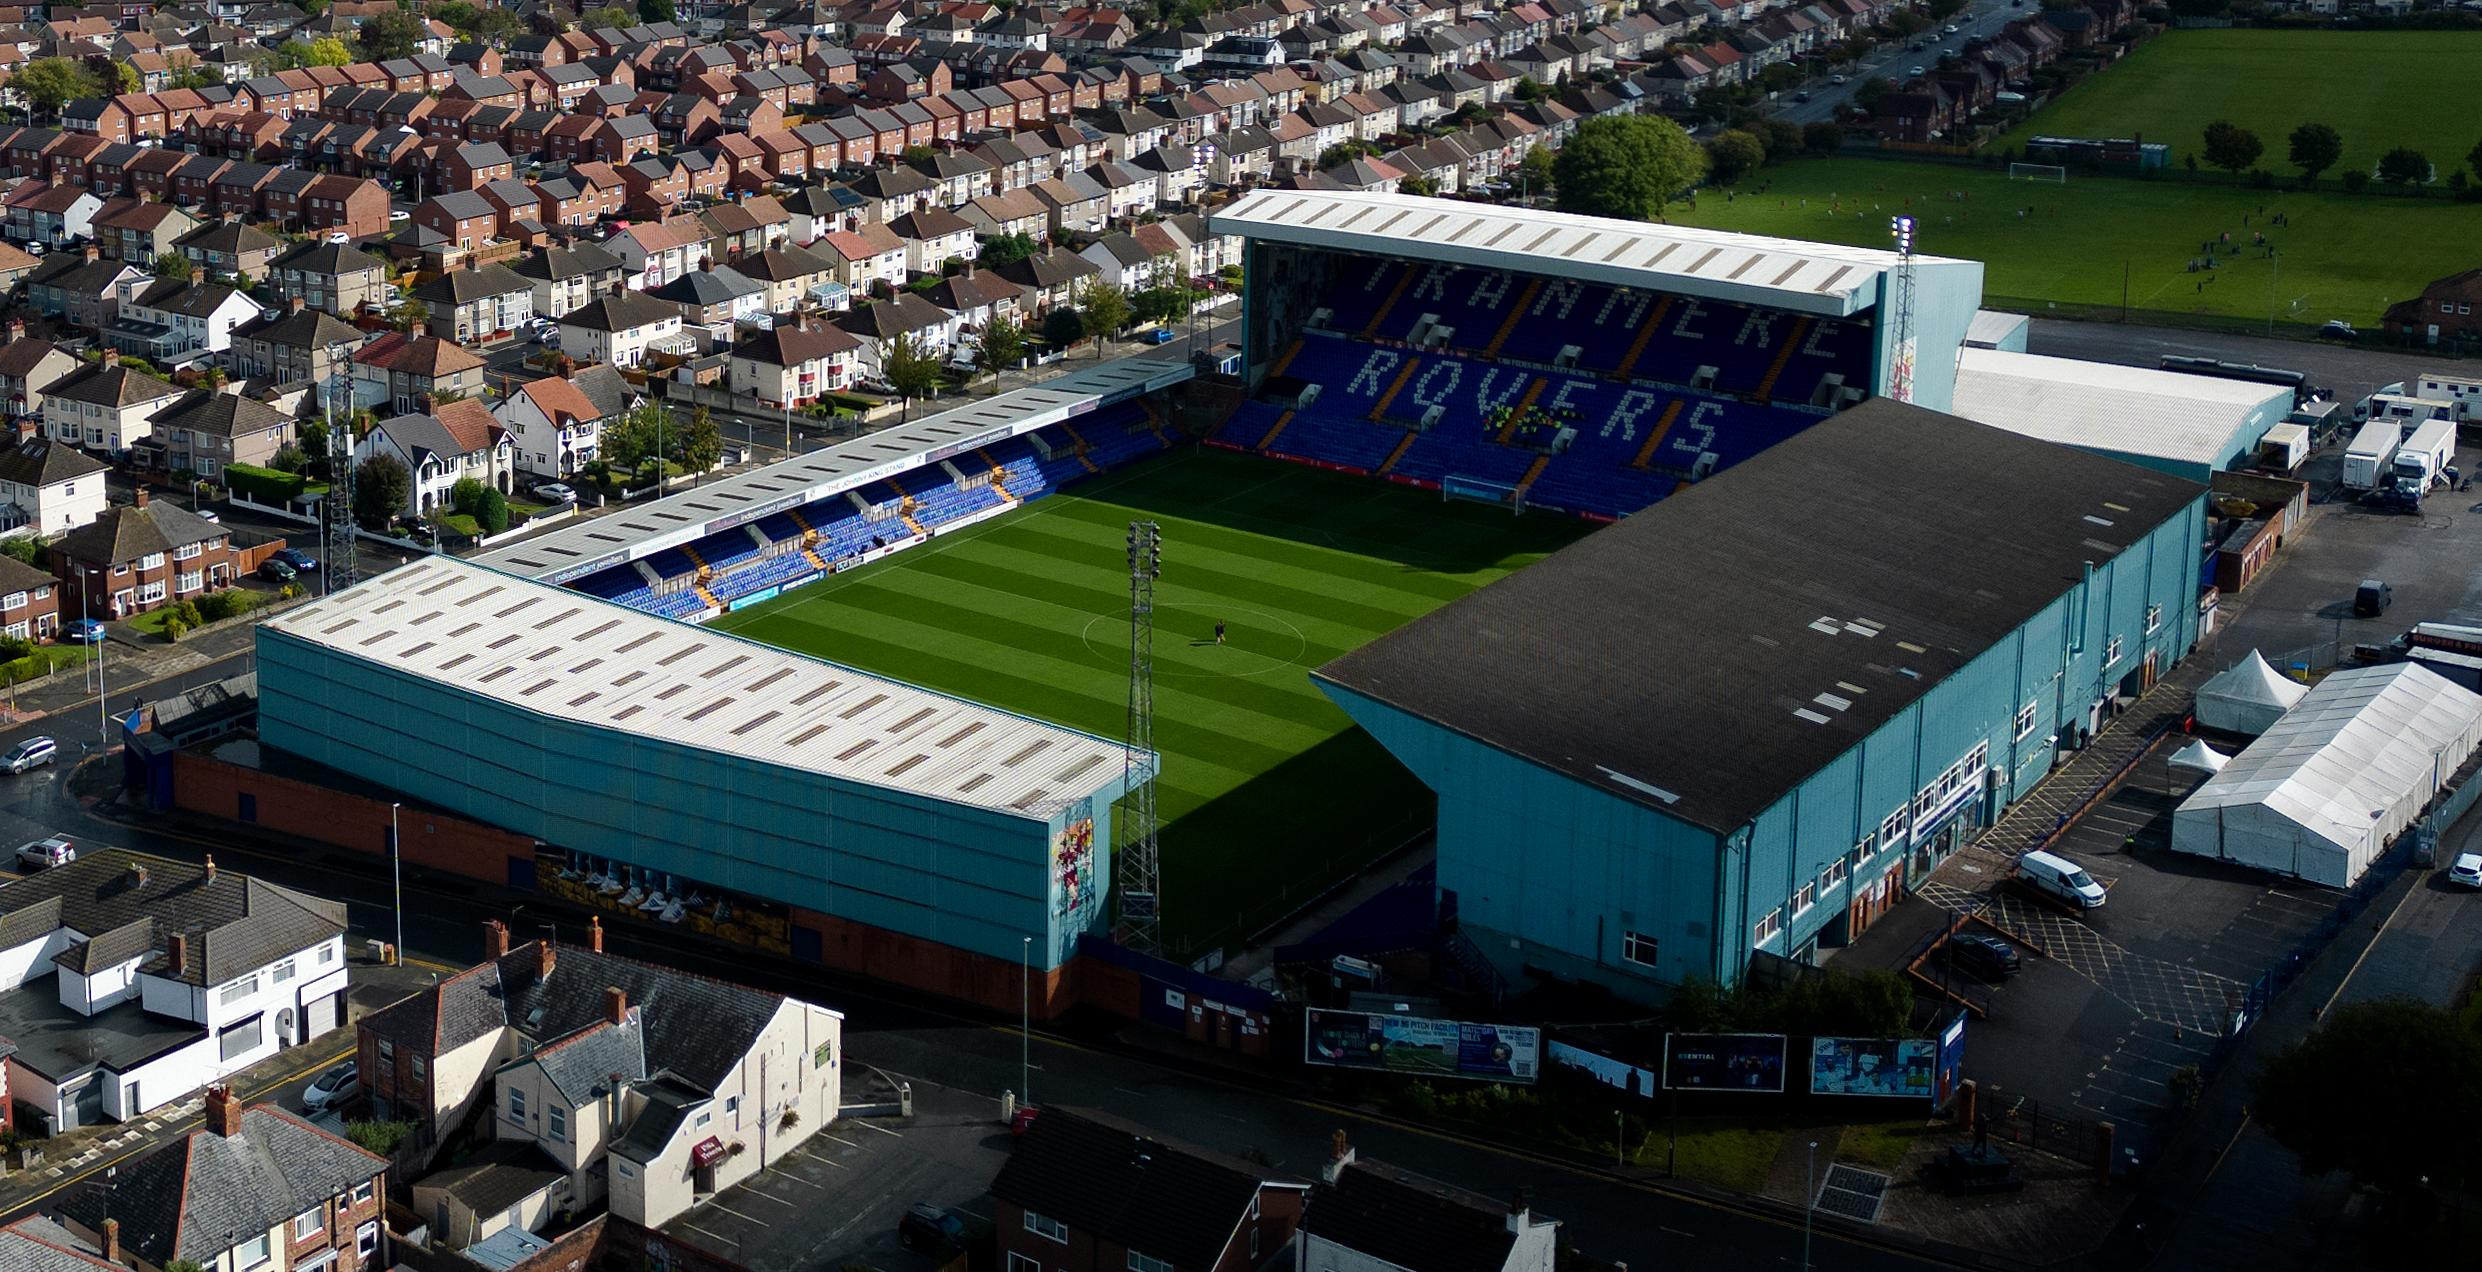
{"x": 1219, "y": 633}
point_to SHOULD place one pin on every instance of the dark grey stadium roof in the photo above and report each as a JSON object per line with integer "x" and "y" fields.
{"x": 1708, "y": 654}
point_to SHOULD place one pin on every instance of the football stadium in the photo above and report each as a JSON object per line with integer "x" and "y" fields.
{"x": 884, "y": 685}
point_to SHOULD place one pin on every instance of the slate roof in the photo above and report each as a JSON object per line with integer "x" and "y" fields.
{"x": 627, "y": 311}
{"x": 789, "y": 345}
{"x": 105, "y": 385}
{"x": 221, "y": 414}
{"x": 704, "y": 287}
{"x": 229, "y": 236}
{"x": 1117, "y": 1183}
{"x": 235, "y": 923}
{"x": 582, "y": 1065}
{"x": 187, "y": 1199}
{"x": 696, "y": 1028}
{"x": 307, "y": 329}
{"x": 556, "y": 263}
{"x": 498, "y": 1177}
{"x": 1767, "y": 645}
{"x": 40, "y": 1245}
{"x": 604, "y": 386}
{"x": 668, "y": 1104}
{"x": 461, "y": 286}
{"x": 904, "y": 312}
{"x": 1409, "y": 1221}
{"x": 42, "y": 462}
{"x": 127, "y": 532}
{"x": 327, "y": 259}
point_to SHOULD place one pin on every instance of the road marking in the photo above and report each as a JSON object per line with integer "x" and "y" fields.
{"x": 712, "y": 1236}
{"x": 717, "y": 1205}
{"x": 1675, "y": 1232}
{"x": 839, "y": 1139}
{"x": 763, "y": 1196}
{"x": 804, "y": 1182}
{"x": 881, "y": 1129}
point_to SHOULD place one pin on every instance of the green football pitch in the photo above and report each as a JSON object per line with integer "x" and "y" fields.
{"x": 2272, "y": 82}
{"x": 1268, "y": 793}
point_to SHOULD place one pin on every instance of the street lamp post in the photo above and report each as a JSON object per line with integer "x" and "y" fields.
{"x": 103, "y": 719}
{"x": 396, "y": 872}
{"x": 1025, "y": 1021}
{"x": 1809, "y": 1201}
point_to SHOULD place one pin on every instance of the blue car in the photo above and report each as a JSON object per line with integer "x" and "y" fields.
{"x": 302, "y": 562}
{"x": 84, "y": 631}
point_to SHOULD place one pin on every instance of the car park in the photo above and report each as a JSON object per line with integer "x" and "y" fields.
{"x": 275, "y": 571}
{"x": 1983, "y": 955}
{"x": 2056, "y": 878}
{"x": 43, "y": 854}
{"x": 2464, "y": 872}
{"x": 333, "y": 1089}
{"x": 2372, "y": 598}
{"x": 34, "y": 752}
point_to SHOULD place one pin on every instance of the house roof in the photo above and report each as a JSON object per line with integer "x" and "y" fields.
{"x": 38, "y": 1244}
{"x": 625, "y": 311}
{"x": 236, "y": 924}
{"x": 790, "y": 345}
{"x": 501, "y": 1175}
{"x": 559, "y": 400}
{"x": 1409, "y": 1221}
{"x": 416, "y": 354}
{"x": 462, "y": 286}
{"x": 188, "y": 1199}
{"x": 1122, "y": 1185}
{"x": 105, "y": 384}
{"x": 42, "y": 462}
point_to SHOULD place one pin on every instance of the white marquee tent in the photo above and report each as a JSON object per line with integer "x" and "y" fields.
{"x": 2198, "y": 757}
{"x": 2339, "y": 776}
{"x": 2248, "y": 697}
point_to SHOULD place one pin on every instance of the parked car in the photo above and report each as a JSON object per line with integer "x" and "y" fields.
{"x": 1836, "y": 79}
{"x": 338, "y": 238}
{"x": 1157, "y": 336}
{"x": 36, "y": 248}
{"x": 926, "y": 1227}
{"x": 43, "y": 854}
{"x": 558, "y": 492}
{"x": 302, "y": 562}
{"x": 1916, "y": 73}
{"x": 84, "y": 631}
{"x": 333, "y": 1088}
{"x": 2338, "y": 329}
{"x": 1802, "y": 96}
{"x": 2058, "y": 879}
{"x": 1983, "y": 955}
{"x": 2464, "y": 872}
{"x": 2372, "y": 598}
{"x": 275, "y": 571}
{"x": 31, "y": 753}
{"x": 209, "y": 515}
{"x": 1949, "y": 29}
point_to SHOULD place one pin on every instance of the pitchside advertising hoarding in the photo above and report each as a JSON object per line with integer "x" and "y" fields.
{"x": 1421, "y": 1046}
{"x": 1724, "y": 1062}
{"x": 1898, "y": 1067}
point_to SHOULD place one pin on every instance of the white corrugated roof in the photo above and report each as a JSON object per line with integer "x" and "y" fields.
{"x": 2103, "y": 406}
{"x": 2367, "y": 744}
{"x": 560, "y": 653}
{"x": 1826, "y": 278}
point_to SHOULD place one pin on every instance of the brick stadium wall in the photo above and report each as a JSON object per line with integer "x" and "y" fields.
{"x": 945, "y": 970}
{"x": 211, "y": 787}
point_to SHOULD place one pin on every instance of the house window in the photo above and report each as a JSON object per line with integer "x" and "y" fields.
{"x": 1893, "y": 828}
{"x": 14, "y": 600}
{"x": 366, "y": 1237}
{"x": 1020, "y": 1263}
{"x": 186, "y": 552}
{"x": 422, "y": 1068}
{"x": 284, "y": 971}
{"x": 238, "y": 990}
{"x": 251, "y": 1253}
{"x": 387, "y": 1054}
{"x": 1639, "y": 948}
{"x": 151, "y": 561}
{"x": 1803, "y": 898}
{"x": 362, "y": 1193}
{"x": 1147, "y": 1263}
{"x": 1051, "y": 1229}
{"x": 517, "y": 1106}
{"x": 308, "y": 1223}
{"x": 239, "y": 1039}
{"x": 556, "y": 1121}
{"x": 2025, "y": 721}
{"x": 1768, "y": 927}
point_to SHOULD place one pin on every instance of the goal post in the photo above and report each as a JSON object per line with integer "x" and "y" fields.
{"x": 2056, "y": 174}
{"x": 1506, "y": 494}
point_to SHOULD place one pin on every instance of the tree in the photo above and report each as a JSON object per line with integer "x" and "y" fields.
{"x": 389, "y": 33}
{"x": 491, "y": 511}
{"x": 1063, "y": 327}
{"x": 1535, "y": 168}
{"x": 127, "y": 78}
{"x": 1007, "y": 249}
{"x": 498, "y": 26}
{"x": 1162, "y": 303}
{"x": 2473, "y": 158}
{"x": 381, "y": 488}
{"x": 2232, "y": 147}
{"x": 24, "y": 547}
{"x": 1822, "y": 138}
{"x": 657, "y": 11}
{"x": 2385, "y": 1091}
{"x": 1418, "y": 184}
{"x": 638, "y": 436}
{"x": 2315, "y": 148}
{"x": 1629, "y": 166}
{"x": 610, "y": 15}
{"x": 327, "y": 50}
{"x": 1942, "y": 10}
{"x": 289, "y": 458}
{"x": 171, "y": 265}
{"x": 1779, "y": 76}
{"x": 2355, "y": 179}
{"x": 1867, "y": 93}
{"x": 1530, "y": 90}
{"x": 465, "y": 496}
{"x": 1783, "y": 140}
{"x": 1003, "y": 345}
{"x": 909, "y": 368}
{"x": 53, "y": 82}
{"x": 2404, "y": 166}
{"x": 1105, "y": 309}
{"x": 1733, "y": 155}
{"x": 701, "y": 444}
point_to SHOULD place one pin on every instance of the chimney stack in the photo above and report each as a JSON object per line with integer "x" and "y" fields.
{"x": 1517, "y": 1211}
{"x": 544, "y": 959}
{"x": 223, "y": 1111}
{"x": 111, "y": 1240}
{"x": 616, "y": 1004}
{"x": 112, "y": 357}
{"x": 198, "y": 274}
{"x": 210, "y": 863}
{"x": 177, "y": 949}
{"x": 425, "y": 404}
{"x": 495, "y": 938}
{"x": 1339, "y": 1156}
{"x": 17, "y": 328}
{"x": 138, "y": 875}
{"x": 140, "y": 501}
{"x": 594, "y": 933}
{"x": 92, "y": 252}
{"x": 293, "y": 305}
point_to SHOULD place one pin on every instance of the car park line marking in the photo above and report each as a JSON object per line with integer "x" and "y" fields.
{"x": 839, "y": 1139}
{"x": 738, "y": 1215}
{"x": 754, "y": 1191}
{"x": 804, "y": 1182}
{"x": 692, "y": 1226}
{"x": 881, "y": 1129}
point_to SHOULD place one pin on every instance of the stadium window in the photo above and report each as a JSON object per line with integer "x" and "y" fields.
{"x": 1769, "y": 927}
{"x": 1638, "y": 948}
{"x": 2111, "y": 651}
{"x": 1832, "y": 877}
{"x": 1893, "y": 828}
{"x": 1978, "y": 759}
{"x": 2025, "y": 721}
{"x": 2154, "y": 618}
{"x": 1803, "y": 898}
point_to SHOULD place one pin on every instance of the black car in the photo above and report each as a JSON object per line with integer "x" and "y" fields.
{"x": 928, "y": 1228}
{"x": 1985, "y": 956}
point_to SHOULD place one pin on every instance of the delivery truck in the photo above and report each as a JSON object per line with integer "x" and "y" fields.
{"x": 2373, "y": 449}
{"x": 2422, "y": 461}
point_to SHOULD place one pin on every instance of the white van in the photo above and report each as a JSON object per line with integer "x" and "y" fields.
{"x": 2056, "y": 876}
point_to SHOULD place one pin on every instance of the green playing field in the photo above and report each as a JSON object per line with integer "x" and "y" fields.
{"x": 1268, "y": 793}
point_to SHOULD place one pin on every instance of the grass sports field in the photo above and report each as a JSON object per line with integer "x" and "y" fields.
{"x": 1268, "y": 792}
{"x": 2341, "y": 256}
{"x": 2271, "y": 82}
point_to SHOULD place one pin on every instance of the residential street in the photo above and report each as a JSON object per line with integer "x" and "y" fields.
{"x": 1896, "y": 61}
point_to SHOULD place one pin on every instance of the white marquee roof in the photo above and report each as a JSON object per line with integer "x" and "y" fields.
{"x": 2103, "y": 406}
{"x": 1821, "y": 278}
{"x": 545, "y": 649}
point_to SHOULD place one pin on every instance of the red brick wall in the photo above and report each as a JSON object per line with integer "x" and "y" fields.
{"x": 208, "y": 786}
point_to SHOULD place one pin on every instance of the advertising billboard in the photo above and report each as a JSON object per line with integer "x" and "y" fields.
{"x": 1421, "y": 1046}
{"x": 1724, "y": 1062}
{"x": 1900, "y": 1067}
